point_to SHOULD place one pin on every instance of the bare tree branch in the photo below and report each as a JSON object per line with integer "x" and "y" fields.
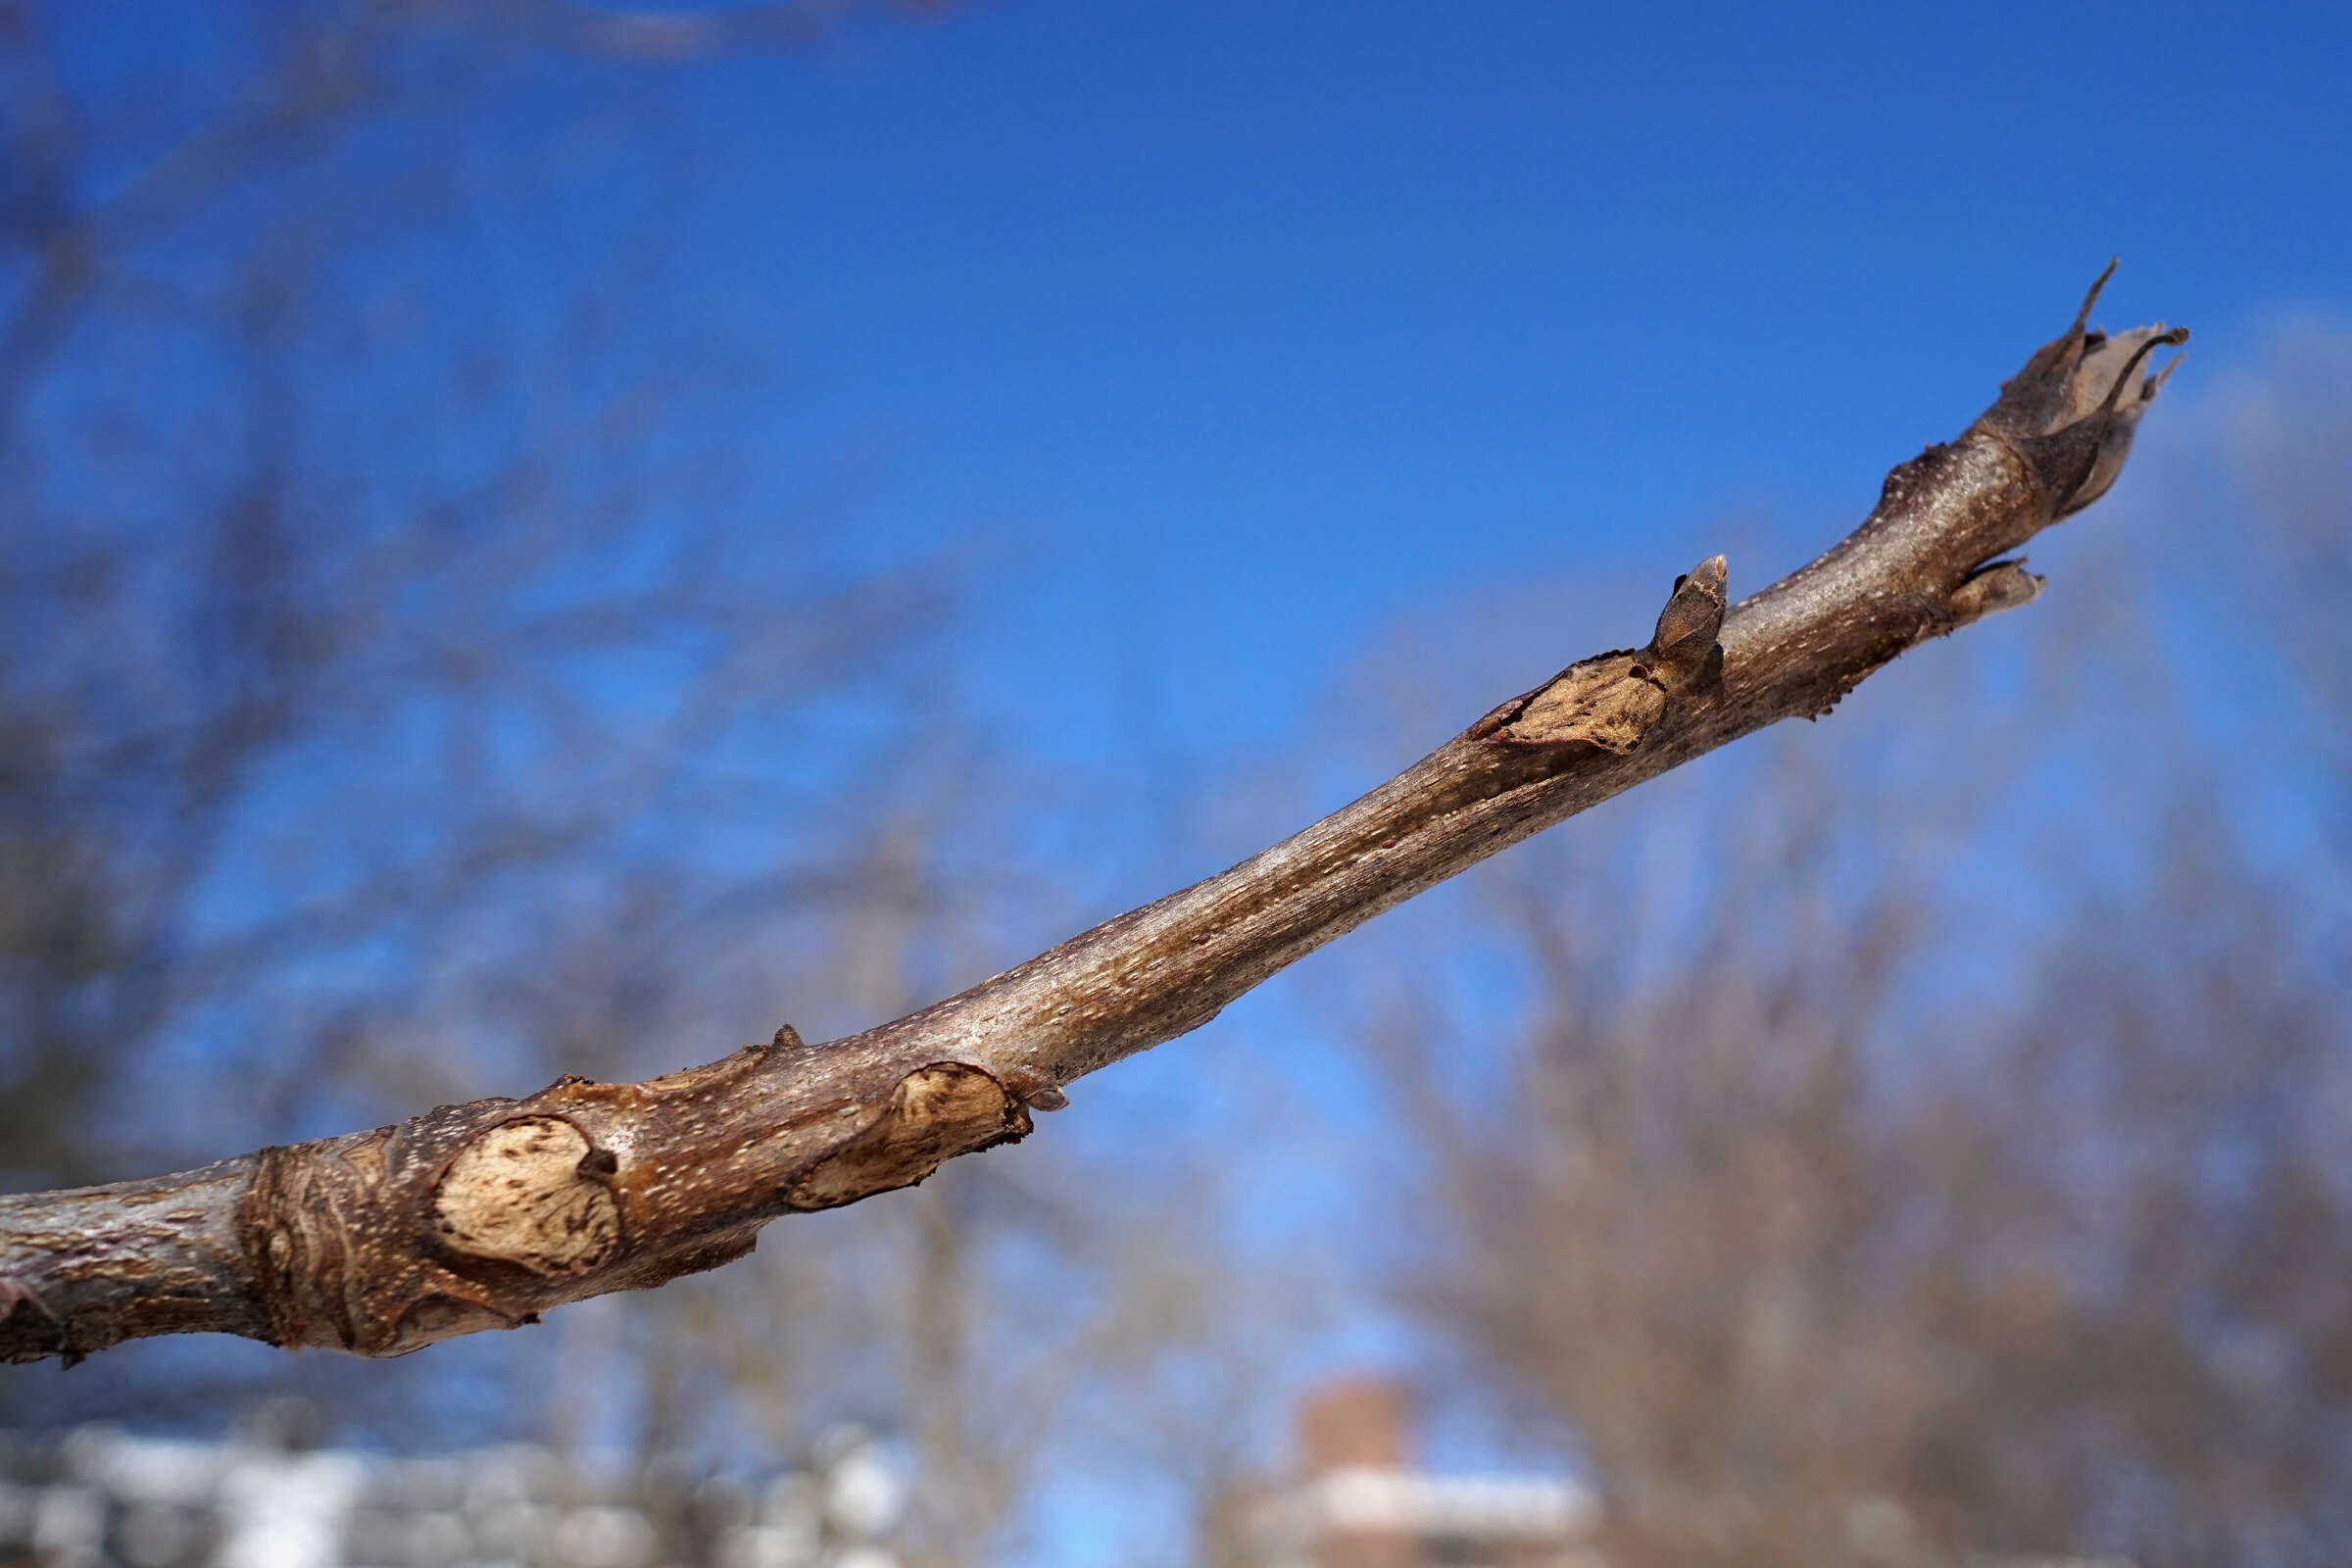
{"x": 483, "y": 1215}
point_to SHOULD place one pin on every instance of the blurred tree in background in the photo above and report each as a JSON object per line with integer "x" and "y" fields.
{"x": 407, "y": 695}
{"x": 1871, "y": 1174}
{"x": 340, "y": 600}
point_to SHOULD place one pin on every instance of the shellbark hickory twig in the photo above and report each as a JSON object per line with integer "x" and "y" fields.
{"x": 484, "y": 1215}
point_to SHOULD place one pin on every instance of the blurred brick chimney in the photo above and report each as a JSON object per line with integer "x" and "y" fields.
{"x": 1362, "y": 1422}
{"x": 1366, "y": 1420}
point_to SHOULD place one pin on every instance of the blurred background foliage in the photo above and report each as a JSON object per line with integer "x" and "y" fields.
{"x": 416, "y": 679}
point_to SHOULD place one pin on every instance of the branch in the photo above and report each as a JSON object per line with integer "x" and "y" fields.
{"x": 484, "y": 1215}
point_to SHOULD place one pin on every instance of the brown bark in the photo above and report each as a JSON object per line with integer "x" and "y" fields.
{"x": 484, "y": 1215}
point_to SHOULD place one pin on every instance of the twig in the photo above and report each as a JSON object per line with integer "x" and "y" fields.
{"x": 484, "y": 1215}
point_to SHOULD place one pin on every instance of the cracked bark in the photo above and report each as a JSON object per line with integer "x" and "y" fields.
{"x": 484, "y": 1215}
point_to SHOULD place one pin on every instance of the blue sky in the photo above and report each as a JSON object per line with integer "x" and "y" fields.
{"x": 1260, "y": 323}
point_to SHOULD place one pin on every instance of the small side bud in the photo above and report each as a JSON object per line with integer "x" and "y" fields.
{"x": 1613, "y": 700}
{"x": 1992, "y": 588}
{"x": 1684, "y": 641}
{"x": 1033, "y": 1088}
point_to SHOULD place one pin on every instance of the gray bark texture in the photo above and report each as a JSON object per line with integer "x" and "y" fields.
{"x": 485, "y": 1216}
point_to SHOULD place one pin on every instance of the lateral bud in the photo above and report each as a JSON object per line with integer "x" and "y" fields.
{"x": 1992, "y": 588}
{"x": 1613, "y": 700}
{"x": 1684, "y": 645}
{"x": 1034, "y": 1088}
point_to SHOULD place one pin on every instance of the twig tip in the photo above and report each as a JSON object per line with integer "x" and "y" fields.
{"x": 2083, "y": 315}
